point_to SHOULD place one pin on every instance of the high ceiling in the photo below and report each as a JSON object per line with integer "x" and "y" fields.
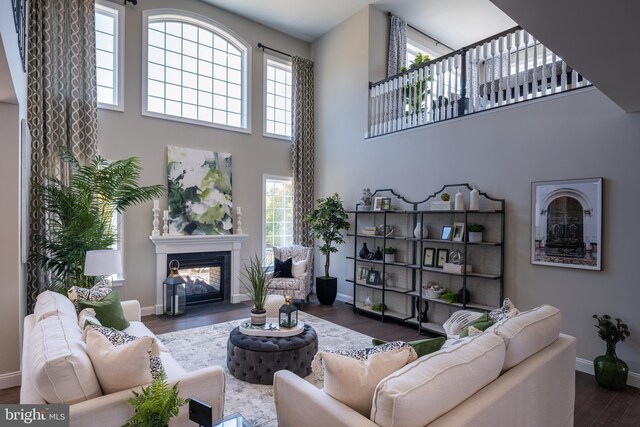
{"x": 456, "y": 23}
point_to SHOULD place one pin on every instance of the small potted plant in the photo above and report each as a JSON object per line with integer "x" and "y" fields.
{"x": 257, "y": 288}
{"x": 327, "y": 221}
{"x": 390, "y": 254}
{"x": 442, "y": 205}
{"x": 475, "y": 232}
{"x": 610, "y": 371}
{"x": 155, "y": 405}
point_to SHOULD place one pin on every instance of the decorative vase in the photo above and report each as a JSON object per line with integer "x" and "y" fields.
{"x": 258, "y": 318}
{"x": 610, "y": 371}
{"x": 389, "y": 257}
{"x": 364, "y": 251}
{"x": 464, "y": 296}
{"x": 378, "y": 255}
{"x": 365, "y": 199}
{"x": 459, "y": 202}
{"x": 474, "y": 199}
{"x": 425, "y": 231}
{"x": 475, "y": 236}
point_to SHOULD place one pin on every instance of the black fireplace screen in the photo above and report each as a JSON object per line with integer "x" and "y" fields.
{"x": 207, "y": 275}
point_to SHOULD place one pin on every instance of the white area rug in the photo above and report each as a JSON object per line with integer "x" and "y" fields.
{"x": 207, "y": 346}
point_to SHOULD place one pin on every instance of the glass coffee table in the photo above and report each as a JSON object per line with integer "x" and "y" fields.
{"x": 233, "y": 420}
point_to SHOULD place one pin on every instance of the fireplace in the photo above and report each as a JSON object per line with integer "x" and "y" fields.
{"x": 207, "y": 275}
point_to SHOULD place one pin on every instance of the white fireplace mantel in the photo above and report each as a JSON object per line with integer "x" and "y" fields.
{"x": 189, "y": 244}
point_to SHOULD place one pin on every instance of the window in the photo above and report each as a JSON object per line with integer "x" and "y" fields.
{"x": 277, "y": 112}
{"x": 195, "y": 71}
{"x": 277, "y": 214}
{"x": 414, "y": 47}
{"x": 109, "y": 55}
{"x": 116, "y": 226}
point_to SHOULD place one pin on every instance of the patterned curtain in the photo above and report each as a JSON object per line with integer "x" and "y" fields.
{"x": 61, "y": 102}
{"x": 397, "y": 46}
{"x": 302, "y": 147}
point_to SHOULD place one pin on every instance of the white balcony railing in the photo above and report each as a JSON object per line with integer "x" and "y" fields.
{"x": 504, "y": 69}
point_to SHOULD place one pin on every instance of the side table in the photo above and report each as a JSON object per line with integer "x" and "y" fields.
{"x": 233, "y": 420}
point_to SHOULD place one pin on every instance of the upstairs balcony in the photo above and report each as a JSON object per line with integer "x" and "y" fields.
{"x": 507, "y": 68}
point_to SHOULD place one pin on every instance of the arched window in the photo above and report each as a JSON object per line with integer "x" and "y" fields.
{"x": 195, "y": 71}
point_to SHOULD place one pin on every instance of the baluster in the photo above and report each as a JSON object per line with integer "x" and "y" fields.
{"x": 478, "y": 61}
{"x": 401, "y": 101}
{"x": 534, "y": 77}
{"x": 487, "y": 75}
{"x": 563, "y": 76}
{"x": 441, "y": 90}
{"x": 371, "y": 112}
{"x": 393, "y": 97}
{"x": 543, "y": 78}
{"x": 516, "y": 86}
{"x": 525, "y": 67}
{"x": 432, "y": 74}
{"x": 508, "y": 79}
{"x": 421, "y": 96}
{"x": 501, "y": 71}
{"x": 414, "y": 98}
{"x": 554, "y": 73}
{"x": 447, "y": 107}
{"x": 380, "y": 108}
{"x": 493, "y": 73}
{"x": 385, "y": 108}
{"x": 456, "y": 93}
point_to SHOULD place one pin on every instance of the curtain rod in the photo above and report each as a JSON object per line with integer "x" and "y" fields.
{"x": 263, "y": 47}
{"x": 424, "y": 34}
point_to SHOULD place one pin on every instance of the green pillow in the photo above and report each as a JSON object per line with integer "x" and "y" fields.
{"x": 108, "y": 311}
{"x": 422, "y": 347}
{"x": 483, "y": 322}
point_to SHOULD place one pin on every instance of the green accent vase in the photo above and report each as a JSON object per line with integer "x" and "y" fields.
{"x": 611, "y": 372}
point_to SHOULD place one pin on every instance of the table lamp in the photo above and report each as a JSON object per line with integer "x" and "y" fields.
{"x": 103, "y": 264}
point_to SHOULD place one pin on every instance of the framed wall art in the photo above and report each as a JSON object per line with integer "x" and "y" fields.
{"x": 566, "y": 223}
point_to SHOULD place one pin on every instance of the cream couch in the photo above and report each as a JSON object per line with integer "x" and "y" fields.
{"x": 520, "y": 373}
{"x": 57, "y": 369}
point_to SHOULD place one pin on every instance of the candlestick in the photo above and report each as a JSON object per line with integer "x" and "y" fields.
{"x": 156, "y": 221}
{"x": 165, "y": 221}
{"x": 239, "y": 220}
{"x": 156, "y": 204}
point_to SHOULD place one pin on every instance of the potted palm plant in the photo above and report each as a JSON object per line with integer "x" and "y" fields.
{"x": 610, "y": 371}
{"x": 155, "y": 405}
{"x": 327, "y": 221}
{"x": 79, "y": 214}
{"x": 257, "y": 286}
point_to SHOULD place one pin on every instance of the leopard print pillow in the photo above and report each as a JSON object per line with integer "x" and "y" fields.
{"x": 97, "y": 293}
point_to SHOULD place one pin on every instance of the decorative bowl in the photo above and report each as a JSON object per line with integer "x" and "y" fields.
{"x": 430, "y": 293}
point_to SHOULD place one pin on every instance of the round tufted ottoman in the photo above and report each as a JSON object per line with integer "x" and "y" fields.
{"x": 256, "y": 359}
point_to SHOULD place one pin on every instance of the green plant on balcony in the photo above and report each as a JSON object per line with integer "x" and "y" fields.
{"x": 415, "y": 92}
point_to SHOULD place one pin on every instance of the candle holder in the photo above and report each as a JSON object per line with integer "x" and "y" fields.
{"x": 165, "y": 223}
{"x": 238, "y": 221}
{"x": 156, "y": 222}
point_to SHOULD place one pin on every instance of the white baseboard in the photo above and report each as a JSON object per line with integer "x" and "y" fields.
{"x": 148, "y": 311}
{"x": 344, "y": 298}
{"x": 586, "y": 366}
{"x": 12, "y": 379}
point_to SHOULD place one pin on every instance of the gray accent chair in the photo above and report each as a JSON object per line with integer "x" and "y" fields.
{"x": 297, "y": 288}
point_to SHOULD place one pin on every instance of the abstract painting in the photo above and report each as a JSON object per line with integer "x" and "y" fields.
{"x": 200, "y": 201}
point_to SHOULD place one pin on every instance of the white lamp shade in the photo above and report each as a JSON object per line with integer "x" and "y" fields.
{"x": 102, "y": 263}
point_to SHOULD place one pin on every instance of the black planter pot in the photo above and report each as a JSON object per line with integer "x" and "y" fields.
{"x": 326, "y": 289}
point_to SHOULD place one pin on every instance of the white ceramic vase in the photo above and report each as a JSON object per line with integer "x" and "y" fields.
{"x": 475, "y": 236}
{"x": 425, "y": 231}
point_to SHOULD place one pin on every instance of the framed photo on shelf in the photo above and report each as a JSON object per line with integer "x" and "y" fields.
{"x": 429, "y": 258}
{"x": 363, "y": 272}
{"x": 566, "y": 223}
{"x": 446, "y": 232}
{"x": 386, "y": 203}
{"x": 458, "y": 232}
{"x": 377, "y": 203}
{"x": 373, "y": 277}
{"x": 442, "y": 257}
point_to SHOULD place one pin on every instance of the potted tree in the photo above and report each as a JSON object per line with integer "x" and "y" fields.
{"x": 327, "y": 221}
{"x": 258, "y": 289}
{"x": 155, "y": 405}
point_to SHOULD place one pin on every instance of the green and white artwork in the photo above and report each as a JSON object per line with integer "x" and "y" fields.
{"x": 199, "y": 192}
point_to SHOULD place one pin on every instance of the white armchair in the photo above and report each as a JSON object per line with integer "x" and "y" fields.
{"x": 296, "y": 288}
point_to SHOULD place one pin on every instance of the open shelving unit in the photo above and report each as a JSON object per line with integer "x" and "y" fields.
{"x": 399, "y": 289}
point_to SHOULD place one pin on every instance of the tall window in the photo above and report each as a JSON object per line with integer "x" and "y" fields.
{"x": 277, "y": 116}
{"x": 109, "y": 54}
{"x": 116, "y": 226}
{"x": 278, "y": 214}
{"x": 196, "y": 71}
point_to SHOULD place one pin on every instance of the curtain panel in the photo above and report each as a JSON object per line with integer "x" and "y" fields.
{"x": 302, "y": 147}
{"x": 61, "y": 103}
{"x": 397, "y": 57}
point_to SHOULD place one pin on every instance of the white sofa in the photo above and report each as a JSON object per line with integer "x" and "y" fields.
{"x": 520, "y": 373}
{"x": 57, "y": 369}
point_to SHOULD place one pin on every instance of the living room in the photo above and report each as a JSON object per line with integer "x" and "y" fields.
{"x": 578, "y": 134}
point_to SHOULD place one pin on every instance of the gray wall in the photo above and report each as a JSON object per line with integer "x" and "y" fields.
{"x": 13, "y": 105}
{"x": 502, "y": 151}
{"x": 130, "y": 134}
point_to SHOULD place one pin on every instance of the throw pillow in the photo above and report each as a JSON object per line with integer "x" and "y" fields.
{"x": 282, "y": 269}
{"x": 88, "y": 317}
{"x": 298, "y": 268}
{"x": 108, "y": 311}
{"x": 481, "y": 323}
{"x": 353, "y": 380}
{"x": 422, "y": 347}
{"x": 458, "y": 321}
{"x": 120, "y": 367}
{"x": 507, "y": 311}
{"x": 97, "y": 293}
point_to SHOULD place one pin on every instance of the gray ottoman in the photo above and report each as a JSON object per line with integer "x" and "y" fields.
{"x": 256, "y": 359}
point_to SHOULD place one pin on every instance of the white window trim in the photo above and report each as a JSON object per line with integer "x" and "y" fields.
{"x": 265, "y": 177}
{"x": 119, "y": 279}
{"x": 266, "y": 134}
{"x": 118, "y": 54}
{"x": 197, "y": 19}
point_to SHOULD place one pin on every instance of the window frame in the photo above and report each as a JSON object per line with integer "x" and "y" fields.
{"x": 214, "y": 26}
{"x": 265, "y": 178}
{"x": 118, "y": 279}
{"x": 118, "y": 75}
{"x": 284, "y": 62}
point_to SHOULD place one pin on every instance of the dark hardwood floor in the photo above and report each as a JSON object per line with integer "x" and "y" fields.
{"x": 594, "y": 406}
